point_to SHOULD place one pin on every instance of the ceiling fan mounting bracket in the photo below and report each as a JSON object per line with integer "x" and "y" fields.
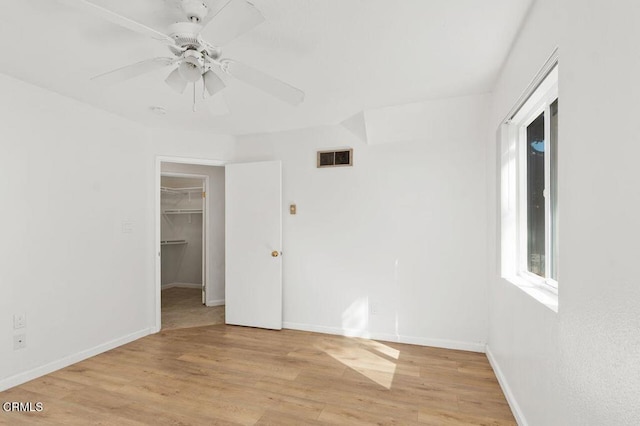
{"x": 224, "y": 66}
{"x": 211, "y": 51}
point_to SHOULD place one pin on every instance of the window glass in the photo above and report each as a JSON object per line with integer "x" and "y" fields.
{"x": 553, "y": 152}
{"x": 535, "y": 196}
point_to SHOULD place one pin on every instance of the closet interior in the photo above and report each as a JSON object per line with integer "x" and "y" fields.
{"x": 181, "y": 232}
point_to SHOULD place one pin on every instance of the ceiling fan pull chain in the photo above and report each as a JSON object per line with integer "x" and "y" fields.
{"x": 194, "y": 97}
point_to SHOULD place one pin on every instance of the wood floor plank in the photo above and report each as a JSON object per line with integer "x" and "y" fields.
{"x": 223, "y": 375}
{"x": 169, "y": 415}
{"x": 337, "y": 415}
{"x": 276, "y": 418}
{"x": 51, "y": 386}
{"x": 439, "y": 417}
{"x": 182, "y": 307}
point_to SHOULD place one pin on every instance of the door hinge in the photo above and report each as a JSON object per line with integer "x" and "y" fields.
{"x": 204, "y": 194}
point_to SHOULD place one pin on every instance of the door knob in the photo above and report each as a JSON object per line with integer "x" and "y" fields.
{"x": 275, "y": 253}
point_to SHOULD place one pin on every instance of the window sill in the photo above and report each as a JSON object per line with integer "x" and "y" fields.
{"x": 539, "y": 292}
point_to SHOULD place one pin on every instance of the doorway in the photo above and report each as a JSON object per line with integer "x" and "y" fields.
{"x": 243, "y": 267}
{"x": 190, "y": 232}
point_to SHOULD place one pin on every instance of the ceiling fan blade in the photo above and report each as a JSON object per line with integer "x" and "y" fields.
{"x": 262, "y": 81}
{"x": 134, "y": 70}
{"x": 234, "y": 19}
{"x": 214, "y": 8}
{"x": 118, "y": 19}
{"x": 212, "y": 82}
{"x": 176, "y": 82}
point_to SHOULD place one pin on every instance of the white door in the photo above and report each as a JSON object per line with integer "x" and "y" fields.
{"x": 253, "y": 240}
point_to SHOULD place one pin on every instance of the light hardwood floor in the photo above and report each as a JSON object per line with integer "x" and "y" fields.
{"x": 183, "y": 308}
{"x": 217, "y": 375}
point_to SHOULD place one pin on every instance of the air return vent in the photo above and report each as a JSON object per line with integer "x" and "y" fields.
{"x": 336, "y": 158}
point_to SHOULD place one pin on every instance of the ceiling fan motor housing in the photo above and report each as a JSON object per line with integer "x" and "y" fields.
{"x": 186, "y": 34}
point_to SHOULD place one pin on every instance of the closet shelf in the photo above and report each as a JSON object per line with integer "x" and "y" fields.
{"x": 170, "y": 190}
{"x": 181, "y": 211}
{"x": 172, "y": 242}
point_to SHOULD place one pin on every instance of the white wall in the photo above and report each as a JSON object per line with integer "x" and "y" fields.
{"x": 70, "y": 175}
{"x": 578, "y": 366}
{"x": 403, "y": 232}
{"x": 215, "y": 211}
{"x": 191, "y": 145}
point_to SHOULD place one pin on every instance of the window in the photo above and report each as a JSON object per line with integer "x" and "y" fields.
{"x": 531, "y": 190}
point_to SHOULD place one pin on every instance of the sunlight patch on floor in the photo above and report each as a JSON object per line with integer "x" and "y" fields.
{"x": 383, "y": 349}
{"x": 371, "y": 365}
{"x": 372, "y": 359}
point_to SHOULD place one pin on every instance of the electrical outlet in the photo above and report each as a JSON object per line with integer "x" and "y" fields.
{"x": 19, "y": 321}
{"x": 19, "y": 341}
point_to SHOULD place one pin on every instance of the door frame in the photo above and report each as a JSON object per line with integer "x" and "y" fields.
{"x": 157, "y": 288}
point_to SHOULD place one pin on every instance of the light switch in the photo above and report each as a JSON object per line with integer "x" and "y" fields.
{"x": 19, "y": 321}
{"x": 127, "y": 227}
{"x": 292, "y": 209}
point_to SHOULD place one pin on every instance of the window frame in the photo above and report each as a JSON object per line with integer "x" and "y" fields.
{"x": 539, "y": 101}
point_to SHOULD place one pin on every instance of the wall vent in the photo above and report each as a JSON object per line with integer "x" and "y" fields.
{"x": 335, "y": 158}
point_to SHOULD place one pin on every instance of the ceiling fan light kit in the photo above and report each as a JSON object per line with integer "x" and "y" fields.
{"x": 191, "y": 67}
{"x": 195, "y": 57}
{"x": 176, "y": 82}
{"x": 212, "y": 82}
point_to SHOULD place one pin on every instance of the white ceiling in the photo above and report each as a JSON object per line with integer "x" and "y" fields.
{"x": 346, "y": 55}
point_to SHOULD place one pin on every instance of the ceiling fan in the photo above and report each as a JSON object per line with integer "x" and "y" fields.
{"x": 193, "y": 57}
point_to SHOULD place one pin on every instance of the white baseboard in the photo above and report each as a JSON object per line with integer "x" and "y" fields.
{"x": 215, "y": 302}
{"x": 412, "y": 340}
{"x": 34, "y": 373}
{"x": 180, "y": 285}
{"x": 511, "y": 399}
